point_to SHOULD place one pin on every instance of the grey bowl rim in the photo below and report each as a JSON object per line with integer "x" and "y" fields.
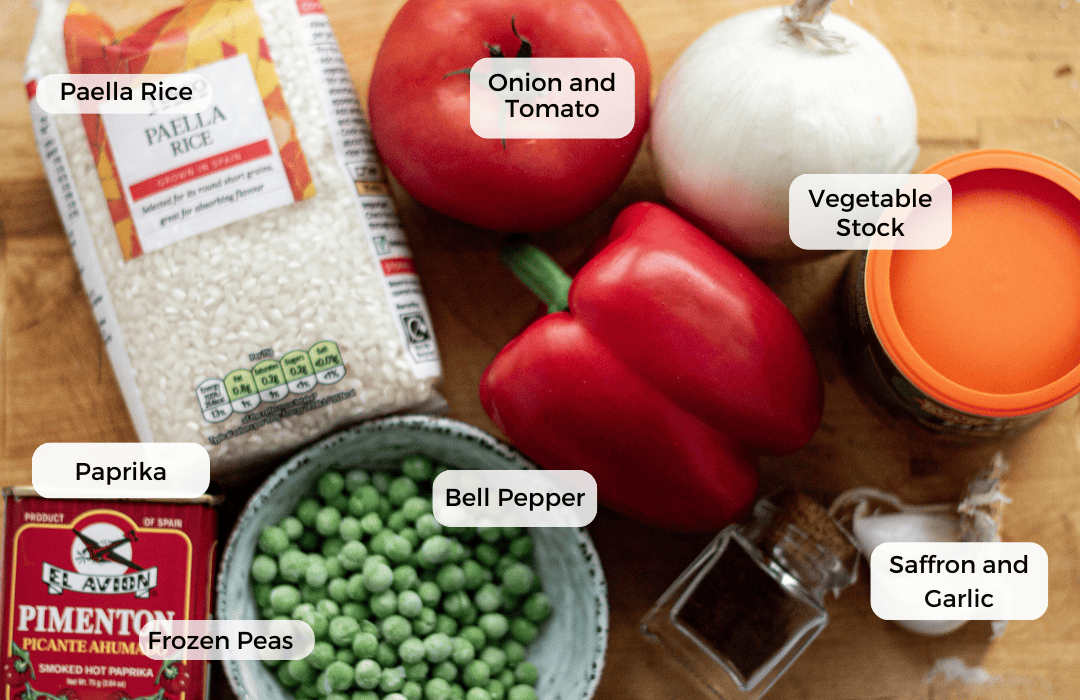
{"x": 422, "y": 422}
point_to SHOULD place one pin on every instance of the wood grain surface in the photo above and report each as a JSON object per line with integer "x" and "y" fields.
{"x": 986, "y": 73}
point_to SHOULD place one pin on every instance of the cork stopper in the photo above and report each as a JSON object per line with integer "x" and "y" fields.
{"x": 798, "y": 533}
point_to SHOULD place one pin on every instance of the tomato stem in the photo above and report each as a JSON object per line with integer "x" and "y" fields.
{"x": 538, "y": 272}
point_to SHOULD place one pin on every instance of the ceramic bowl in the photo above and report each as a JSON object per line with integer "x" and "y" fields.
{"x": 568, "y": 653}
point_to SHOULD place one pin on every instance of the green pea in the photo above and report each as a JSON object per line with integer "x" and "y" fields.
{"x": 486, "y": 554}
{"x": 307, "y": 510}
{"x": 405, "y": 578}
{"x": 345, "y": 656}
{"x": 366, "y": 674}
{"x": 371, "y": 523}
{"x": 328, "y": 607}
{"x": 438, "y": 647}
{"x": 526, "y": 673}
{"x": 337, "y": 696}
{"x": 457, "y": 692}
{"x": 301, "y": 670}
{"x": 445, "y": 670}
{"x": 286, "y": 678}
{"x": 427, "y": 526}
{"x": 392, "y": 679}
{"x": 356, "y": 588}
{"x": 402, "y": 489}
{"x": 273, "y": 540}
{"x": 353, "y": 554}
{"x": 411, "y": 690}
{"x": 417, "y": 671}
{"x": 518, "y": 578}
{"x": 419, "y": 467}
{"x": 411, "y": 651}
{"x": 478, "y": 694}
{"x": 369, "y": 627}
{"x": 355, "y": 479}
{"x": 497, "y": 690}
{"x": 489, "y": 598}
{"x": 446, "y": 625}
{"x": 284, "y": 598}
{"x": 395, "y": 629}
{"x": 322, "y": 655}
{"x": 464, "y": 651}
{"x": 330, "y": 485}
{"x": 515, "y": 651}
{"x": 318, "y": 622}
{"x": 309, "y": 541}
{"x": 357, "y": 611}
{"x": 334, "y": 569}
{"x": 416, "y": 507}
{"x": 263, "y": 568}
{"x": 435, "y": 549}
{"x": 328, "y": 521}
{"x": 458, "y": 553}
{"x": 397, "y": 521}
{"x": 349, "y": 529}
{"x": 409, "y": 604}
{"x": 457, "y": 604}
{"x": 262, "y": 594}
{"x": 398, "y": 549}
{"x": 522, "y": 547}
{"x": 312, "y": 594}
{"x": 437, "y": 689}
{"x": 475, "y": 575}
{"x": 316, "y": 573}
{"x": 364, "y": 645}
{"x": 494, "y": 625}
{"x": 521, "y": 692}
{"x": 475, "y": 635}
{"x": 384, "y": 604}
{"x": 451, "y": 578}
{"x": 342, "y": 630}
{"x": 364, "y": 695}
{"x": 507, "y": 678}
{"x": 537, "y": 607}
{"x": 340, "y": 503}
{"x": 331, "y": 546}
{"x": 523, "y": 631}
{"x": 378, "y": 542}
{"x": 364, "y": 501}
{"x": 411, "y": 536}
{"x": 386, "y": 655}
{"x": 381, "y": 481}
{"x": 495, "y": 658}
{"x": 424, "y": 623}
{"x": 476, "y": 673}
{"x": 338, "y": 590}
{"x": 489, "y": 534}
{"x": 429, "y": 593}
{"x": 378, "y": 578}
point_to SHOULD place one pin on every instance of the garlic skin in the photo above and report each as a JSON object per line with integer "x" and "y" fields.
{"x": 757, "y": 101}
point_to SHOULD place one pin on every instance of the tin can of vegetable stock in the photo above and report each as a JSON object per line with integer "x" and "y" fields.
{"x": 81, "y": 577}
{"x": 981, "y": 337}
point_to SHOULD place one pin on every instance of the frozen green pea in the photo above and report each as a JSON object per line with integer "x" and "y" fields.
{"x": 357, "y": 611}
{"x": 384, "y": 604}
{"x": 417, "y": 671}
{"x": 307, "y": 510}
{"x": 457, "y": 692}
{"x": 438, "y": 647}
{"x": 395, "y": 629}
{"x": 303, "y": 608}
{"x": 428, "y": 526}
{"x": 522, "y": 547}
{"x": 263, "y": 568}
{"x": 429, "y": 593}
{"x": 419, "y": 467}
{"x": 486, "y": 554}
{"x": 284, "y": 598}
{"x": 507, "y": 678}
{"x": 392, "y": 679}
{"x": 445, "y": 670}
{"x": 378, "y": 578}
{"x": 401, "y": 489}
{"x": 526, "y": 673}
{"x": 369, "y": 627}
{"x": 476, "y": 673}
{"x": 415, "y": 508}
{"x": 523, "y": 631}
{"x": 349, "y": 529}
{"x": 511, "y": 532}
{"x": 411, "y": 536}
{"x": 316, "y": 573}
{"x": 475, "y": 635}
{"x": 322, "y": 655}
{"x": 494, "y": 625}
{"x": 504, "y": 563}
{"x": 451, "y": 578}
{"x": 397, "y": 549}
{"x": 521, "y": 692}
{"x": 458, "y": 553}
{"x": 424, "y": 623}
{"x": 488, "y": 598}
{"x": 331, "y": 546}
{"x": 373, "y": 560}
{"x": 356, "y": 478}
{"x": 301, "y": 670}
{"x": 518, "y": 578}
{"x": 456, "y": 605}
{"x": 393, "y": 696}
{"x": 330, "y": 485}
{"x": 475, "y": 575}
{"x": 273, "y": 540}
{"x": 340, "y": 503}
{"x": 318, "y": 622}
{"x": 397, "y": 521}
{"x": 334, "y": 569}
{"x": 409, "y": 604}
{"x": 371, "y": 523}
{"x": 328, "y": 607}
{"x": 337, "y": 696}
{"x": 495, "y": 658}
{"x": 346, "y": 656}
{"x": 446, "y": 625}
{"x": 515, "y": 651}
{"x": 308, "y": 541}
{"x": 367, "y": 673}
{"x": 328, "y": 521}
{"x": 405, "y": 578}
{"x": 496, "y": 689}
{"x": 342, "y": 630}
{"x": 437, "y": 689}
{"x": 381, "y": 481}
{"x": 489, "y": 534}
{"x": 378, "y": 542}
{"x": 435, "y": 549}
{"x": 285, "y": 677}
{"x": 262, "y": 594}
{"x": 356, "y": 589}
{"x": 364, "y": 695}
{"x": 537, "y": 607}
{"x": 353, "y": 554}
{"x": 364, "y": 645}
{"x": 478, "y": 694}
{"x": 411, "y": 651}
{"x": 464, "y": 651}
{"x": 386, "y": 655}
{"x": 411, "y": 690}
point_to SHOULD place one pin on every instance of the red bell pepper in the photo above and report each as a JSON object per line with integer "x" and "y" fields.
{"x": 663, "y": 369}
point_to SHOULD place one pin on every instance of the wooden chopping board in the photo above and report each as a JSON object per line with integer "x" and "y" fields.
{"x": 986, "y": 73}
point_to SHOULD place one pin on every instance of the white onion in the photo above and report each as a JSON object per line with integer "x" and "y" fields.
{"x": 767, "y": 96}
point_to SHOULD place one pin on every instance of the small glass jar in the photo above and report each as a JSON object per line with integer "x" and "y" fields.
{"x": 749, "y": 605}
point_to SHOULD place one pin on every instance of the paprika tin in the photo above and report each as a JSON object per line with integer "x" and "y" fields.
{"x": 982, "y": 336}
{"x": 81, "y": 577}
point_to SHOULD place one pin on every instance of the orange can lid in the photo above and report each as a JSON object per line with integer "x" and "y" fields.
{"x": 990, "y": 323}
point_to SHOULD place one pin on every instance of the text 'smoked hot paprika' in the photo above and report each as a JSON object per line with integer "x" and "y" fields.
{"x": 663, "y": 370}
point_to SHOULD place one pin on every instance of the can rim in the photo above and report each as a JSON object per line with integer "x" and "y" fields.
{"x": 887, "y": 327}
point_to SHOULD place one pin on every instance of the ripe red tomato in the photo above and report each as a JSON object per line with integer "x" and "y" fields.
{"x": 420, "y": 120}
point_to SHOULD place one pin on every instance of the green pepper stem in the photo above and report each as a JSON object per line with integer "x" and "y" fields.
{"x": 539, "y": 273}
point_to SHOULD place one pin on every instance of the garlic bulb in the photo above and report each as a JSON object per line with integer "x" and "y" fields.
{"x": 875, "y": 517}
{"x": 767, "y": 96}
